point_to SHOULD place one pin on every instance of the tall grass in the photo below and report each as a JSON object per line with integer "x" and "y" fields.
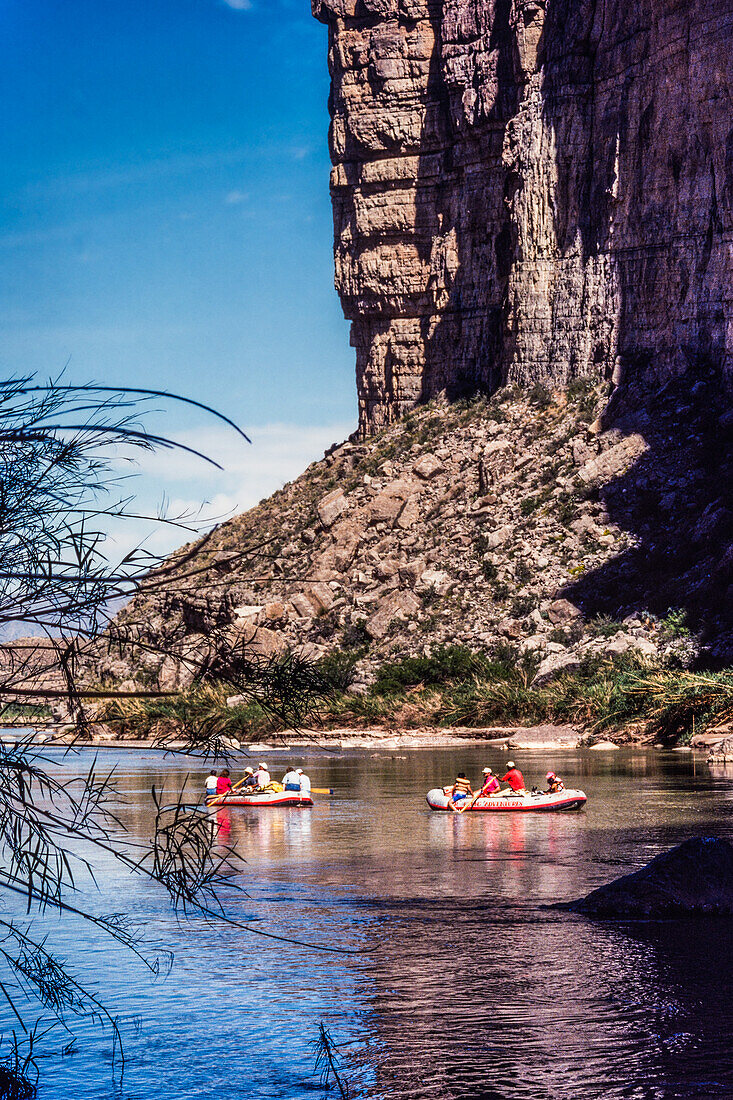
{"x": 459, "y": 688}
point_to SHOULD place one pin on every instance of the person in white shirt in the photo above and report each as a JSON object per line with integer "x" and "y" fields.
{"x": 305, "y": 783}
{"x": 211, "y": 783}
{"x": 291, "y": 780}
{"x": 262, "y": 775}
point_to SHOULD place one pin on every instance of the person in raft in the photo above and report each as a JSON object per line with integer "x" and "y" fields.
{"x": 291, "y": 780}
{"x": 211, "y": 781}
{"x": 262, "y": 775}
{"x": 514, "y": 778}
{"x": 491, "y": 786}
{"x": 249, "y": 778}
{"x": 460, "y": 790}
{"x": 223, "y": 783}
{"x": 304, "y": 782}
{"x": 554, "y": 783}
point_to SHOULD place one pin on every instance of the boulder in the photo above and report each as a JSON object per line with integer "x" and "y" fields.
{"x": 613, "y": 462}
{"x": 562, "y": 611}
{"x": 427, "y": 467}
{"x": 553, "y": 665}
{"x": 275, "y": 611}
{"x": 436, "y": 580}
{"x": 320, "y": 596}
{"x": 409, "y": 515}
{"x": 693, "y": 879}
{"x": 332, "y": 506}
{"x": 401, "y": 605}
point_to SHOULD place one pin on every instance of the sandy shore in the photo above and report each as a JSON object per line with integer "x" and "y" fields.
{"x": 509, "y": 737}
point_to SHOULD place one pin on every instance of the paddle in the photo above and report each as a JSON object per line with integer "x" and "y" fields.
{"x": 322, "y": 790}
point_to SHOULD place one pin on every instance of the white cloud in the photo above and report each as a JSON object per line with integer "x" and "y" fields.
{"x": 239, "y": 5}
{"x": 236, "y": 198}
{"x": 278, "y": 454}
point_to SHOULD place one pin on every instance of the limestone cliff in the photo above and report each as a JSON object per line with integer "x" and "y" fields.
{"x": 530, "y": 190}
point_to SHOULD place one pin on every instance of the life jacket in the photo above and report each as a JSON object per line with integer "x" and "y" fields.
{"x": 462, "y": 786}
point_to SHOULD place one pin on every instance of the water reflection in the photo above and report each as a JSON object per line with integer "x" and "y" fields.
{"x": 466, "y": 981}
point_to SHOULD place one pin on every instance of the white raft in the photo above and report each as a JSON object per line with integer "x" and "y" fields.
{"x": 499, "y": 803}
{"x": 261, "y": 798}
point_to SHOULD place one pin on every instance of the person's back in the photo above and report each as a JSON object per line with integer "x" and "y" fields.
{"x": 513, "y": 777}
{"x": 460, "y": 791}
{"x": 262, "y": 775}
{"x": 304, "y": 783}
{"x": 223, "y": 783}
{"x": 291, "y": 780}
{"x": 211, "y": 783}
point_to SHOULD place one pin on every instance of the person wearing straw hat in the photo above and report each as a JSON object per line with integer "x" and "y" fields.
{"x": 249, "y": 778}
{"x": 490, "y": 786}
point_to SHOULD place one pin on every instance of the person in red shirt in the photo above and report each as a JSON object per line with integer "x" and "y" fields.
{"x": 514, "y": 778}
{"x": 223, "y": 783}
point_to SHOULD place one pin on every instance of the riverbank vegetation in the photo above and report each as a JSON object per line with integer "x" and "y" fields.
{"x": 455, "y": 687}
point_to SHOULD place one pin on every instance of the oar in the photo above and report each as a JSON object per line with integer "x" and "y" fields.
{"x": 322, "y": 790}
{"x": 220, "y": 798}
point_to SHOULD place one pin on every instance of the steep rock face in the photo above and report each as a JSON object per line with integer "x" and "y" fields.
{"x": 530, "y": 189}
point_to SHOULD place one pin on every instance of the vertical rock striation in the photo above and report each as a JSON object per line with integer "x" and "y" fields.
{"x": 530, "y": 190}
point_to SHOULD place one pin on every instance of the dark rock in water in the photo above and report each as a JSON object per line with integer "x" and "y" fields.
{"x": 695, "y": 878}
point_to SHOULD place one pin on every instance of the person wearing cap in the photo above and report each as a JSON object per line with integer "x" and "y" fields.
{"x": 291, "y": 780}
{"x": 514, "y": 778}
{"x": 554, "y": 783}
{"x": 491, "y": 786}
{"x": 262, "y": 775}
{"x": 305, "y": 783}
{"x": 249, "y": 778}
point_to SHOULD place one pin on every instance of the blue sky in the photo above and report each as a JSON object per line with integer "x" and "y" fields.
{"x": 165, "y": 219}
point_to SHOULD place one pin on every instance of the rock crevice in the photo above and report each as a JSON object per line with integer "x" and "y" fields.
{"x": 529, "y": 190}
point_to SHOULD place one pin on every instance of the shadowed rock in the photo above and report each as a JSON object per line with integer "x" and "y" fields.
{"x": 695, "y": 878}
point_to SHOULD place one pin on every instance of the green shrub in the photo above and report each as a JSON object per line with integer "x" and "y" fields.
{"x": 489, "y": 570}
{"x": 539, "y": 396}
{"x": 674, "y": 624}
{"x": 446, "y": 665}
{"x": 338, "y": 665}
{"x": 522, "y": 605}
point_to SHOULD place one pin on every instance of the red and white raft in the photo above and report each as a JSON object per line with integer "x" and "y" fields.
{"x": 262, "y": 798}
{"x": 524, "y": 803}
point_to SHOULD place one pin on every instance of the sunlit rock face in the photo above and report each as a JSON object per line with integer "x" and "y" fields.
{"x": 530, "y": 190}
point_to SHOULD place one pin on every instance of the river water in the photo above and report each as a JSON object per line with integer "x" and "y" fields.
{"x": 451, "y": 973}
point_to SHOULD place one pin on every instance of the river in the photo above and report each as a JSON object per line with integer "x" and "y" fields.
{"x": 451, "y": 975}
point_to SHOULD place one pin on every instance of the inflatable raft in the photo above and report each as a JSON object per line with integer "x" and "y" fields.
{"x": 262, "y": 798}
{"x": 546, "y": 803}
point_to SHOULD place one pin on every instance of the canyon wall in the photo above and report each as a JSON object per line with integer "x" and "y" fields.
{"x": 530, "y": 190}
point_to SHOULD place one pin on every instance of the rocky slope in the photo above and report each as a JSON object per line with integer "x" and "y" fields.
{"x": 532, "y": 190}
{"x": 523, "y": 519}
